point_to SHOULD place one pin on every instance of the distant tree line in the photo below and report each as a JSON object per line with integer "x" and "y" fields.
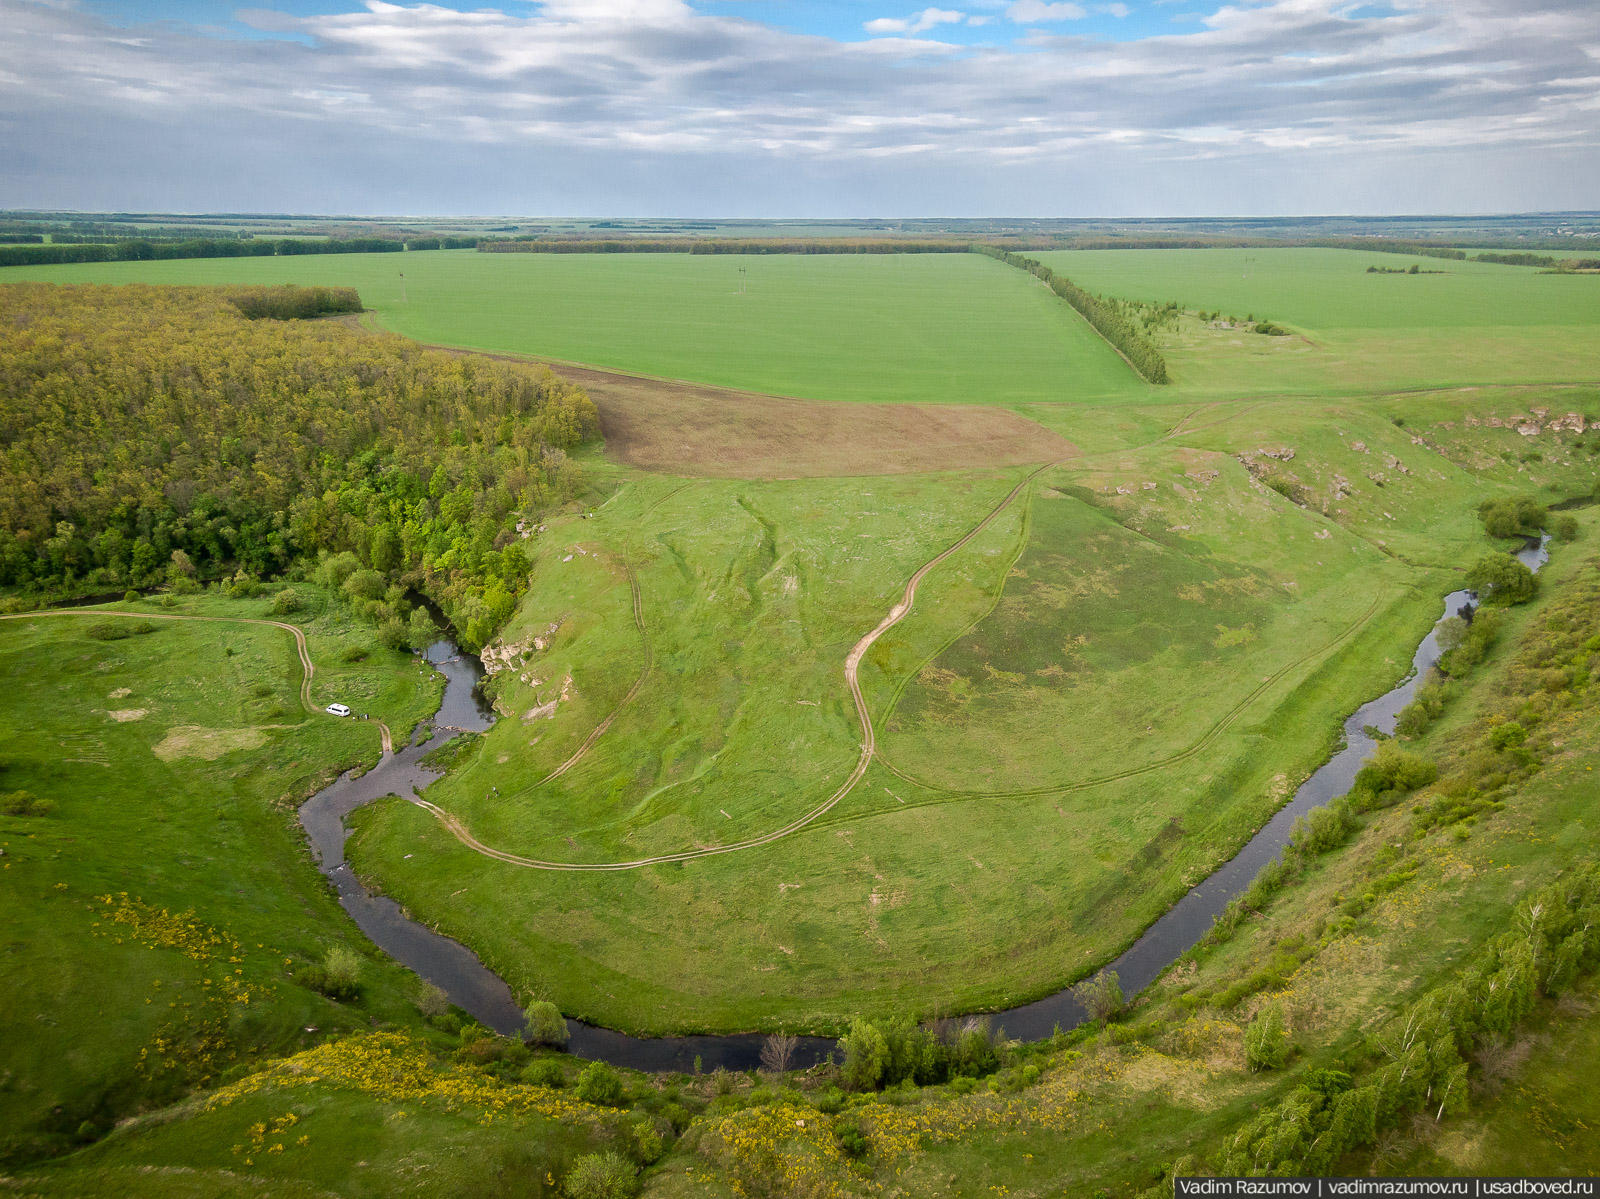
{"x": 87, "y": 248}
{"x": 1108, "y": 317}
{"x": 140, "y": 249}
{"x": 153, "y": 435}
{"x": 1388, "y": 245}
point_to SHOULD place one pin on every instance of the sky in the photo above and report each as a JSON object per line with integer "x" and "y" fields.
{"x": 802, "y": 108}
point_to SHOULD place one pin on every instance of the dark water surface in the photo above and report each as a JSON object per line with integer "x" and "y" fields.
{"x": 472, "y": 986}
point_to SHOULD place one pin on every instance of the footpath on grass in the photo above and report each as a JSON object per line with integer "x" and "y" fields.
{"x": 852, "y": 665}
{"x": 307, "y": 667}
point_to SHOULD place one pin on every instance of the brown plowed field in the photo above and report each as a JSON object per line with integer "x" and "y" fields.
{"x": 692, "y": 429}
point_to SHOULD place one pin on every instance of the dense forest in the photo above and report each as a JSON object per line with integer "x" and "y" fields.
{"x": 159, "y": 435}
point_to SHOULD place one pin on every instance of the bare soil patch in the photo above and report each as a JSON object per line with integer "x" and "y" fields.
{"x": 693, "y": 429}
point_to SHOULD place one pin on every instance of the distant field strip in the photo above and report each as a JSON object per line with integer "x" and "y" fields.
{"x": 868, "y": 748}
{"x": 683, "y": 428}
{"x": 868, "y": 328}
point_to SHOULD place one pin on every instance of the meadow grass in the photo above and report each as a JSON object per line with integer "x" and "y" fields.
{"x": 174, "y": 760}
{"x": 930, "y": 328}
{"x": 1109, "y": 1112}
{"x": 1475, "y": 324}
{"x": 1207, "y": 630}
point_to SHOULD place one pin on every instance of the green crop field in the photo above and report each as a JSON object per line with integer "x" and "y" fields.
{"x": 1471, "y": 324}
{"x": 1122, "y": 654}
{"x": 931, "y": 328}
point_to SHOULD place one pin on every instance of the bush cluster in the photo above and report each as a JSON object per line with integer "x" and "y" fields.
{"x": 288, "y": 302}
{"x": 886, "y": 1053}
{"x": 24, "y": 803}
{"x": 338, "y": 976}
{"x": 1422, "y": 1059}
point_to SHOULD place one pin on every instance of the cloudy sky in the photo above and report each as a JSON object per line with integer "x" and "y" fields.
{"x": 821, "y": 108}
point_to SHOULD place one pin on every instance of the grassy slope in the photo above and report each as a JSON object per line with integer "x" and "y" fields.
{"x": 920, "y": 327}
{"x": 213, "y": 835}
{"x": 1475, "y": 324}
{"x": 1102, "y": 1116}
{"x": 744, "y": 723}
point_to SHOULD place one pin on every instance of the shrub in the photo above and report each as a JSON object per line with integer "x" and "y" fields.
{"x": 1505, "y": 736}
{"x": 1472, "y": 643}
{"x": 24, "y": 803}
{"x": 1324, "y": 828}
{"x": 355, "y": 653}
{"x": 600, "y": 1084}
{"x": 338, "y": 977}
{"x": 1501, "y": 580}
{"x": 546, "y": 1024}
{"x": 432, "y": 1002}
{"x": 116, "y": 630}
{"x": 1566, "y": 528}
{"x": 601, "y": 1176}
{"x": 851, "y": 1140}
{"x": 1101, "y": 996}
{"x": 648, "y": 1145}
{"x": 364, "y": 584}
{"x": 1511, "y": 516}
{"x": 1395, "y": 769}
{"x": 395, "y": 634}
{"x": 286, "y": 602}
{"x": 830, "y": 1101}
{"x": 545, "y": 1072}
{"x": 334, "y": 569}
{"x": 1266, "y": 1043}
{"x": 866, "y": 1056}
{"x": 421, "y": 629}
{"x": 131, "y": 596}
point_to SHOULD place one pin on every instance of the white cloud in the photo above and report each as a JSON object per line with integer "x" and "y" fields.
{"x": 919, "y": 22}
{"x": 648, "y": 106}
{"x": 1039, "y": 12}
{"x": 1116, "y": 10}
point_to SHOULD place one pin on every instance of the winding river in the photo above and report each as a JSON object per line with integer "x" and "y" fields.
{"x": 476, "y": 989}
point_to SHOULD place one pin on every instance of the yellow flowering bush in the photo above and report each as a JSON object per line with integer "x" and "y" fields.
{"x": 395, "y": 1068}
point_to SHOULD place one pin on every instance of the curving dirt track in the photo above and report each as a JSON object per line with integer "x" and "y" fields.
{"x": 852, "y": 665}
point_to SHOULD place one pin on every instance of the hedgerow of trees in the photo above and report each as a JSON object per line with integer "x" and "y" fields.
{"x": 1109, "y": 317}
{"x": 155, "y": 435}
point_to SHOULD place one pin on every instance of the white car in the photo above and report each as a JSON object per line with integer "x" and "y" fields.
{"x": 339, "y": 709}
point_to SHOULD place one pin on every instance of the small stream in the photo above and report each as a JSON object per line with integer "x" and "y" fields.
{"x": 476, "y": 989}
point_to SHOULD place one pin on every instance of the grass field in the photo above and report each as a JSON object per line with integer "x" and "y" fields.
{"x": 174, "y": 760}
{"x": 1111, "y": 1111}
{"x": 1474, "y": 324}
{"x": 1091, "y": 704}
{"x": 924, "y": 328}
{"x": 1162, "y": 602}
